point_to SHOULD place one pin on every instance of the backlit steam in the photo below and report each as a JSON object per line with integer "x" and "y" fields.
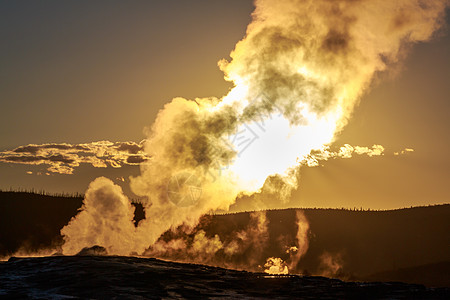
{"x": 297, "y": 74}
{"x": 276, "y": 266}
{"x": 243, "y": 249}
{"x": 296, "y": 252}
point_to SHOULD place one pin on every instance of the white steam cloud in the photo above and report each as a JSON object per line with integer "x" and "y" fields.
{"x": 298, "y": 74}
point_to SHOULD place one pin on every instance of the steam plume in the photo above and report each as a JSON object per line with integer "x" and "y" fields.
{"x": 297, "y": 74}
{"x": 297, "y": 252}
{"x": 244, "y": 249}
{"x": 276, "y": 266}
{"x": 106, "y": 219}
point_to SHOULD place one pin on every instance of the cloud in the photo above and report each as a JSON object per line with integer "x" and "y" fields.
{"x": 64, "y": 158}
{"x": 404, "y": 151}
{"x": 346, "y": 151}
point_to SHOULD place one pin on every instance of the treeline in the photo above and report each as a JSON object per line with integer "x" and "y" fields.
{"x": 354, "y": 209}
{"x": 42, "y": 192}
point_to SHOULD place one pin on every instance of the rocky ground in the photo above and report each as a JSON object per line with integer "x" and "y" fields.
{"x": 109, "y": 277}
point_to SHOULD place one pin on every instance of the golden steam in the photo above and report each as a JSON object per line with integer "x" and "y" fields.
{"x": 297, "y": 74}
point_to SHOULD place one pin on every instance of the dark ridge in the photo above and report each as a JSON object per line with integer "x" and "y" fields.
{"x": 43, "y": 193}
{"x": 366, "y": 244}
{"x": 435, "y": 274}
{"x": 32, "y": 221}
{"x": 358, "y": 209}
{"x": 360, "y": 242}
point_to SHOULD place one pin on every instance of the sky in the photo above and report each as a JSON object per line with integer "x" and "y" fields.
{"x": 82, "y": 72}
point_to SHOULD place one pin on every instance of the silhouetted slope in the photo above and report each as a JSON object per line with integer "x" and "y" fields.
{"x": 342, "y": 243}
{"x": 436, "y": 274}
{"x": 32, "y": 221}
{"x": 374, "y": 241}
{"x": 360, "y": 244}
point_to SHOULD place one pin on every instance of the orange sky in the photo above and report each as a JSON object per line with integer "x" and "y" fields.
{"x": 78, "y": 73}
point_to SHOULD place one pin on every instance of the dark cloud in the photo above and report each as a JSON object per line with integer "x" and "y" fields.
{"x": 61, "y": 158}
{"x": 27, "y": 149}
{"x": 21, "y": 159}
{"x": 36, "y": 148}
{"x": 136, "y": 159}
{"x": 129, "y": 147}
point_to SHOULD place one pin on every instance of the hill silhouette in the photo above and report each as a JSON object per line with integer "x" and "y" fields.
{"x": 410, "y": 245}
{"x": 396, "y": 245}
{"x": 32, "y": 221}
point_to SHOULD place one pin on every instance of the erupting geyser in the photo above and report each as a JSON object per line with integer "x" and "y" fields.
{"x": 297, "y": 74}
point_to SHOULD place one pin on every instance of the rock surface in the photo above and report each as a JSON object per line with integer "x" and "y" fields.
{"x": 106, "y": 277}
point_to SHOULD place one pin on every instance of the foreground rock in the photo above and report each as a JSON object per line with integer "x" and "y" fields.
{"x": 146, "y": 278}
